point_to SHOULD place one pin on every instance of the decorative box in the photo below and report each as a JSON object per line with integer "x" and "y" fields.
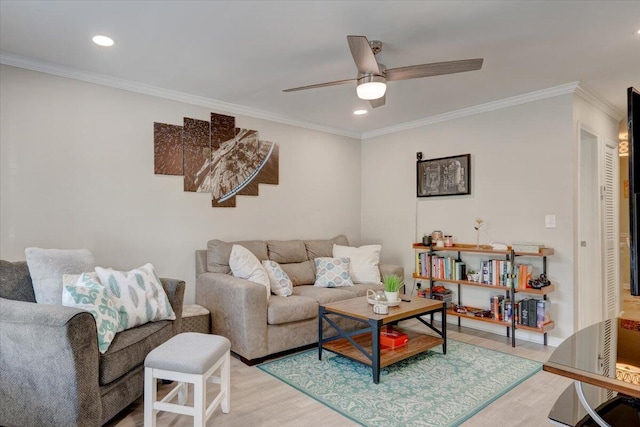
{"x": 391, "y": 338}
{"x": 195, "y": 318}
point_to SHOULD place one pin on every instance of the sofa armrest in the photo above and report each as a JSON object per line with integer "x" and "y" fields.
{"x": 174, "y": 289}
{"x": 238, "y": 311}
{"x": 48, "y": 365}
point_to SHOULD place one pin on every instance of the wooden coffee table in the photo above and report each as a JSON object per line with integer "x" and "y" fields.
{"x": 363, "y": 345}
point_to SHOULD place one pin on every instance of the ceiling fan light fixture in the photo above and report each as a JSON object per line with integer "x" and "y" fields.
{"x": 371, "y": 87}
{"x": 101, "y": 40}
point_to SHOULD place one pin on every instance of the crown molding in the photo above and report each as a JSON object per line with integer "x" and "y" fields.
{"x": 145, "y": 89}
{"x": 589, "y": 95}
{"x": 578, "y": 88}
{"x": 477, "y": 109}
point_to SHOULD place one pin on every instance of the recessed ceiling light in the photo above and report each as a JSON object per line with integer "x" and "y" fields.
{"x": 103, "y": 41}
{"x": 360, "y": 112}
{"x": 638, "y": 32}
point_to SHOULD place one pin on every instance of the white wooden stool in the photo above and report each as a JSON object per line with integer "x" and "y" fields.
{"x": 188, "y": 358}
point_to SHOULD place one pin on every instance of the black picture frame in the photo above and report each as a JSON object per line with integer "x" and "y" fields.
{"x": 445, "y": 176}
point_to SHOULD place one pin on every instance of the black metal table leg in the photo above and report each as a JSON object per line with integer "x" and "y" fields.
{"x": 375, "y": 363}
{"x": 444, "y": 329}
{"x": 320, "y": 315}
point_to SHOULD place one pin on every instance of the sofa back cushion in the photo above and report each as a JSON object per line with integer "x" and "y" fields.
{"x": 218, "y": 253}
{"x": 15, "y": 281}
{"x": 300, "y": 273}
{"x": 323, "y": 248}
{"x": 294, "y": 256}
{"x": 287, "y": 251}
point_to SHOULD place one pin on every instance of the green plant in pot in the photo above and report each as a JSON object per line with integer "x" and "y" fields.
{"x": 392, "y": 284}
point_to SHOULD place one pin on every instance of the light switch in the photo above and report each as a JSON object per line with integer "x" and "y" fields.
{"x": 550, "y": 221}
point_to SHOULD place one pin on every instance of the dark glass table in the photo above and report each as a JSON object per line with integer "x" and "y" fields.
{"x": 604, "y": 361}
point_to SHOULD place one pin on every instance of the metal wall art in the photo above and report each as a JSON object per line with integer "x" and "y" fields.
{"x": 215, "y": 157}
{"x": 446, "y": 176}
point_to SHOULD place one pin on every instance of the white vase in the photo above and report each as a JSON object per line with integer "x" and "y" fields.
{"x": 392, "y": 296}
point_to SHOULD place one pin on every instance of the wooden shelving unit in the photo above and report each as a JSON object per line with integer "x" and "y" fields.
{"x": 511, "y": 290}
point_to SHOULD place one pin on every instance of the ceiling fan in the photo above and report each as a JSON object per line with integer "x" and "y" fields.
{"x": 373, "y": 77}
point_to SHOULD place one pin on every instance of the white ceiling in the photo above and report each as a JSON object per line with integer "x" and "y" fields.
{"x": 244, "y": 52}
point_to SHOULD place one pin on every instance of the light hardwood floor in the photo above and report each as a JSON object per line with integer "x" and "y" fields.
{"x": 257, "y": 399}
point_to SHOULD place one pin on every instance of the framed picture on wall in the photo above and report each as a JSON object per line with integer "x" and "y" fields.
{"x": 446, "y": 176}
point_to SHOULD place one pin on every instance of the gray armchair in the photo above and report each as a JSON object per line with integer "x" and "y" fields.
{"x": 51, "y": 372}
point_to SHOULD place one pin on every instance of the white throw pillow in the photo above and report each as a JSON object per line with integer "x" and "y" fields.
{"x": 87, "y": 294}
{"x": 280, "y": 282}
{"x": 46, "y": 267}
{"x": 332, "y": 272}
{"x": 245, "y": 265}
{"x": 364, "y": 261}
{"x": 138, "y": 295}
{"x": 72, "y": 279}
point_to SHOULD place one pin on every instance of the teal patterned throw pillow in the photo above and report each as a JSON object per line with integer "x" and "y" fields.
{"x": 138, "y": 295}
{"x": 89, "y": 295}
{"x": 332, "y": 272}
{"x": 279, "y": 281}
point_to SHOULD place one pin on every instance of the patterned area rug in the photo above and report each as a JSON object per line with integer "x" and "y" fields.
{"x": 429, "y": 389}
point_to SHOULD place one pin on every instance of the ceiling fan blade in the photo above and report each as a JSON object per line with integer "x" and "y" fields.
{"x": 433, "y": 69}
{"x": 375, "y": 103}
{"x": 338, "y": 82}
{"x": 363, "y": 55}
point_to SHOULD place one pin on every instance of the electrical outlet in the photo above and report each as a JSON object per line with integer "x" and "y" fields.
{"x": 550, "y": 221}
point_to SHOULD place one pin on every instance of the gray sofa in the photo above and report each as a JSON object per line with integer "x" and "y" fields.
{"x": 51, "y": 372}
{"x": 259, "y": 328}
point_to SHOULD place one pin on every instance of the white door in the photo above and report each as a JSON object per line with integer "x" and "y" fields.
{"x": 598, "y": 275}
{"x": 610, "y": 247}
{"x": 589, "y": 290}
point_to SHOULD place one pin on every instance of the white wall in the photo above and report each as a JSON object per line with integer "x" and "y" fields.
{"x": 76, "y": 170}
{"x": 522, "y": 167}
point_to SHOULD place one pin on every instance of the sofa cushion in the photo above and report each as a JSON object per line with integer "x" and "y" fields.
{"x": 218, "y": 253}
{"x": 324, "y": 295}
{"x": 245, "y": 265}
{"x": 47, "y": 266}
{"x": 129, "y": 348}
{"x": 279, "y": 280}
{"x": 287, "y": 251}
{"x": 291, "y": 309}
{"x": 363, "y": 262}
{"x": 324, "y": 248}
{"x": 88, "y": 294}
{"x": 138, "y": 295}
{"x": 332, "y": 272}
{"x": 300, "y": 273}
{"x": 15, "y": 281}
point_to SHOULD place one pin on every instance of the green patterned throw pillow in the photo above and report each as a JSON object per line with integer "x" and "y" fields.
{"x": 138, "y": 295}
{"x": 89, "y": 295}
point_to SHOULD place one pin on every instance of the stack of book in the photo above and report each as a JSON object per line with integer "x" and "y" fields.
{"x": 440, "y": 267}
{"x": 440, "y": 293}
{"x": 533, "y": 312}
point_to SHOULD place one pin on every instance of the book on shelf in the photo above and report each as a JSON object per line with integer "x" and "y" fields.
{"x": 524, "y": 273}
{"x": 523, "y": 310}
{"x": 532, "y": 312}
{"x": 497, "y": 307}
{"x": 543, "y": 315}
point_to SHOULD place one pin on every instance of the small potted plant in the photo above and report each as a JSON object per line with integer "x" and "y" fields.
{"x": 392, "y": 284}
